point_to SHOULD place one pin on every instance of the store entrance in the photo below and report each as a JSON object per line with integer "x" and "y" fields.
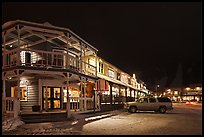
{"x": 53, "y": 97}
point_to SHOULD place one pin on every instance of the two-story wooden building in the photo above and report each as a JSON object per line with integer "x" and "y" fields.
{"x": 53, "y": 69}
{"x": 44, "y": 65}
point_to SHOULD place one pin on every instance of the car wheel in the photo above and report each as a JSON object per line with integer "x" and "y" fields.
{"x": 133, "y": 109}
{"x": 162, "y": 109}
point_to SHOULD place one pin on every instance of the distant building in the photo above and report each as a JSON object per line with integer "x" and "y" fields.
{"x": 192, "y": 92}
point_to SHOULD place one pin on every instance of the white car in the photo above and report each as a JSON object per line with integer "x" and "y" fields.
{"x": 160, "y": 104}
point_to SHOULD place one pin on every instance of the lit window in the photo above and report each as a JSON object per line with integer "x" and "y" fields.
{"x": 111, "y": 73}
{"x": 91, "y": 63}
{"x": 23, "y": 93}
{"x": 198, "y": 88}
{"x": 175, "y": 92}
{"x": 101, "y": 68}
{"x": 187, "y": 88}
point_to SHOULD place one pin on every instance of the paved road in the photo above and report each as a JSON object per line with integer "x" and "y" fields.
{"x": 183, "y": 120}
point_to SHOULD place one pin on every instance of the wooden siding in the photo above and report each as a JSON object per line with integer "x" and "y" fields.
{"x": 32, "y": 96}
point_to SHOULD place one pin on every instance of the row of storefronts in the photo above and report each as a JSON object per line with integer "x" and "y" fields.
{"x": 183, "y": 94}
{"x": 54, "y": 69}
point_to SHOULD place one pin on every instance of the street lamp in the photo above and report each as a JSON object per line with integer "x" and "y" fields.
{"x": 157, "y": 89}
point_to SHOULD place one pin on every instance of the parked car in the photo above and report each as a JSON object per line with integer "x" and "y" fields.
{"x": 160, "y": 104}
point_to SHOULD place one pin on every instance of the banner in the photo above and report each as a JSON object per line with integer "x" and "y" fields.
{"x": 102, "y": 85}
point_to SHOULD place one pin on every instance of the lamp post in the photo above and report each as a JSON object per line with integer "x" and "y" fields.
{"x": 157, "y": 89}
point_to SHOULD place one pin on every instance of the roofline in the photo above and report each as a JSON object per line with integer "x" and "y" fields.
{"x": 10, "y": 24}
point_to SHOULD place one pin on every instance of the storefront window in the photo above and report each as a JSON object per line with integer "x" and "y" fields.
{"x": 48, "y": 92}
{"x": 56, "y": 92}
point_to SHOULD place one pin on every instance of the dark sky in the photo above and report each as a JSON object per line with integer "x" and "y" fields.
{"x": 148, "y": 39}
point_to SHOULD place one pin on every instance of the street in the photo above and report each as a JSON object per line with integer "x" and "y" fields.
{"x": 182, "y": 120}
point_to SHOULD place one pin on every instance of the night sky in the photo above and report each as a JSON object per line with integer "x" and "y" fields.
{"x": 149, "y": 39}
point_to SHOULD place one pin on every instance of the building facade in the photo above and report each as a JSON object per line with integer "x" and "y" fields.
{"x": 191, "y": 92}
{"x": 54, "y": 69}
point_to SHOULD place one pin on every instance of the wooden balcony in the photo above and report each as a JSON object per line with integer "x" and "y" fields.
{"x": 39, "y": 59}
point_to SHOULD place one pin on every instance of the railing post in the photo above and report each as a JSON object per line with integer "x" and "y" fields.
{"x": 4, "y": 55}
{"x": 3, "y": 98}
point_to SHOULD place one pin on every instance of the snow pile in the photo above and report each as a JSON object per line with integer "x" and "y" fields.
{"x": 11, "y": 124}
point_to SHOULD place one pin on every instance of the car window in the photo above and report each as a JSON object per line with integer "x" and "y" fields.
{"x": 151, "y": 100}
{"x": 143, "y": 100}
{"x": 164, "y": 99}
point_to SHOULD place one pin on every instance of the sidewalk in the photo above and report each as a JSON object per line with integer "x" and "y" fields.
{"x": 69, "y": 127}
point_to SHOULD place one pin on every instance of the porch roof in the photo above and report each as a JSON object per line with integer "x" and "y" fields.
{"x": 11, "y": 24}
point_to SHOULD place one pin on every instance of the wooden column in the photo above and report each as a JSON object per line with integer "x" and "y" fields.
{"x": 40, "y": 93}
{"x": 111, "y": 96}
{"x": 61, "y": 98}
{"x": 95, "y": 64}
{"x": 46, "y": 94}
{"x": 18, "y": 51}
{"x": 67, "y": 57}
{"x": 85, "y": 101}
{"x": 81, "y": 69}
{"x": 84, "y": 60}
{"x": 17, "y": 99}
{"x": 68, "y": 99}
{"x": 125, "y": 94}
{"x": 81, "y": 97}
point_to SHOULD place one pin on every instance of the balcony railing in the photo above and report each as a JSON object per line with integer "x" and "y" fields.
{"x": 8, "y": 104}
{"x": 46, "y": 59}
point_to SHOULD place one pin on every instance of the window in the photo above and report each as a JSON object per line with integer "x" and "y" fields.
{"x": 118, "y": 76}
{"x": 56, "y": 92}
{"x": 124, "y": 79}
{"x": 111, "y": 73}
{"x": 175, "y": 92}
{"x": 151, "y": 100}
{"x": 91, "y": 63}
{"x": 23, "y": 93}
{"x": 164, "y": 99}
{"x": 143, "y": 100}
{"x": 101, "y": 69}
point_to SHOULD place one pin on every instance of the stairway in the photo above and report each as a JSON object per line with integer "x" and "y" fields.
{"x": 44, "y": 117}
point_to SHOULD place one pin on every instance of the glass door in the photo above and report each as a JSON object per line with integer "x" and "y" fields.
{"x": 53, "y": 97}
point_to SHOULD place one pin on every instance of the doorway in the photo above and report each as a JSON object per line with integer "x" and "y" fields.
{"x": 53, "y": 97}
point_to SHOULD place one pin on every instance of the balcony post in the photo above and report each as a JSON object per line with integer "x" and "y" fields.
{"x": 84, "y": 60}
{"x": 67, "y": 57}
{"x": 95, "y": 64}
{"x": 4, "y": 55}
{"x": 81, "y": 70}
{"x": 18, "y": 51}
